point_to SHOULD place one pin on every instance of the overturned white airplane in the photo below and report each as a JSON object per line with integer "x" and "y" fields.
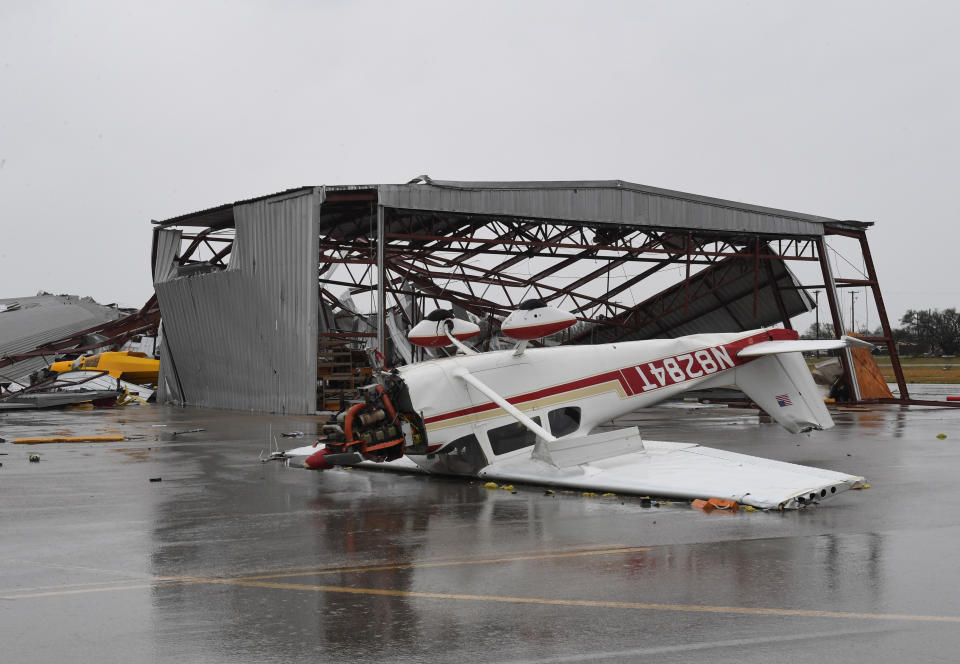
{"x": 526, "y": 415}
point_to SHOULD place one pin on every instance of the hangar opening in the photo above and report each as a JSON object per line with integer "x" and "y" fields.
{"x": 272, "y": 304}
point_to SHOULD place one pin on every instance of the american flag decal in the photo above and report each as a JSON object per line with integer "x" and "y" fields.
{"x": 783, "y": 400}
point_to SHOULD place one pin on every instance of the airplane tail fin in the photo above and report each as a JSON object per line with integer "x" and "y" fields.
{"x": 781, "y": 384}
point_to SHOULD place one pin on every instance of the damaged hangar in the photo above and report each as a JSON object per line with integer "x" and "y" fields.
{"x": 269, "y": 303}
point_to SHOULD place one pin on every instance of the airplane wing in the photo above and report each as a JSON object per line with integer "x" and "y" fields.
{"x": 619, "y": 461}
{"x": 683, "y": 470}
{"x": 800, "y": 346}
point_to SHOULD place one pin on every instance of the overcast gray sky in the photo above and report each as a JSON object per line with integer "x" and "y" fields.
{"x": 116, "y": 113}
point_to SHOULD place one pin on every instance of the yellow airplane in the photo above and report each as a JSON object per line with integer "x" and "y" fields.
{"x": 126, "y": 364}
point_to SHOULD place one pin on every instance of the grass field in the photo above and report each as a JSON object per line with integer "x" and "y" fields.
{"x": 919, "y": 369}
{"x": 923, "y": 369}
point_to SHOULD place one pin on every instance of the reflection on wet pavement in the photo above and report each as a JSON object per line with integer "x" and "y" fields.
{"x": 229, "y": 559}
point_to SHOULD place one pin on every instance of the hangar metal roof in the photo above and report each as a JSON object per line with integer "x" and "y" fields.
{"x": 587, "y": 201}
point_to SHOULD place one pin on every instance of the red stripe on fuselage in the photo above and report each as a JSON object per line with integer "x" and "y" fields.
{"x": 533, "y": 396}
{"x": 646, "y": 376}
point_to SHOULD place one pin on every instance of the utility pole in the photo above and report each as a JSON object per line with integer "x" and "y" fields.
{"x": 853, "y": 324}
{"x": 816, "y": 297}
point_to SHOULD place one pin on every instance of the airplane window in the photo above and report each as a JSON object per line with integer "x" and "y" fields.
{"x": 564, "y": 420}
{"x": 511, "y": 437}
{"x": 463, "y": 456}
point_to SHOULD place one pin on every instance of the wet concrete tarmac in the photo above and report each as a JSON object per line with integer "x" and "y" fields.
{"x": 227, "y": 559}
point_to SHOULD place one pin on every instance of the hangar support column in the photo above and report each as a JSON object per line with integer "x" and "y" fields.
{"x": 846, "y": 358}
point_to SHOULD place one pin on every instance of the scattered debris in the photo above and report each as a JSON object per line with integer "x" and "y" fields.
{"x": 491, "y": 485}
{"x": 507, "y": 487}
{"x": 34, "y": 458}
{"x": 178, "y": 433}
{"x": 941, "y": 436}
{"x": 276, "y": 454}
{"x": 723, "y": 504}
{"x": 292, "y": 434}
{"x": 156, "y": 479}
{"x": 273, "y": 456}
{"x": 589, "y": 494}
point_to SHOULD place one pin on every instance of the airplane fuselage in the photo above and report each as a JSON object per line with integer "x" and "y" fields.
{"x": 567, "y": 390}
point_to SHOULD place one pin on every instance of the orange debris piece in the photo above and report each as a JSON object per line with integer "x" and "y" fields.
{"x": 724, "y": 504}
{"x": 869, "y": 377}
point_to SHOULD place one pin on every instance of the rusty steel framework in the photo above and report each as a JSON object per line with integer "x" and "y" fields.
{"x": 410, "y": 259}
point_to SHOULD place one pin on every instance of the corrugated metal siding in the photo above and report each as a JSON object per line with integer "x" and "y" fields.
{"x": 245, "y": 338}
{"x": 602, "y": 202}
{"x": 168, "y": 243}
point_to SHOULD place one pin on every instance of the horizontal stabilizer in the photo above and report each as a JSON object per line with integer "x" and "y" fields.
{"x": 577, "y": 450}
{"x": 800, "y": 346}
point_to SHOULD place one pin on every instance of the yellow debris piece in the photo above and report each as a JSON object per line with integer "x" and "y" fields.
{"x": 860, "y": 486}
{"x": 490, "y": 485}
{"x": 125, "y": 364}
{"x": 507, "y": 487}
{"x": 941, "y": 436}
{"x": 68, "y": 439}
{"x": 589, "y": 494}
{"x": 748, "y": 508}
{"x": 609, "y": 495}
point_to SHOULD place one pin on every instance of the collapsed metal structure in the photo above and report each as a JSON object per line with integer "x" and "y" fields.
{"x": 40, "y": 350}
{"x": 252, "y": 292}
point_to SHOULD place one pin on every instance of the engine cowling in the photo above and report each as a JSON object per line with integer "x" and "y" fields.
{"x": 430, "y": 332}
{"x": 535, "y": 319}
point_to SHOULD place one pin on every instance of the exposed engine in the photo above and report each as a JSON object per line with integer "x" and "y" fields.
{"x": 381, "y": 427}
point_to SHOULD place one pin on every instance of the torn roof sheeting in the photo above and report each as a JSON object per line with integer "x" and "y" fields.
{"x": 721, "y": 298}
